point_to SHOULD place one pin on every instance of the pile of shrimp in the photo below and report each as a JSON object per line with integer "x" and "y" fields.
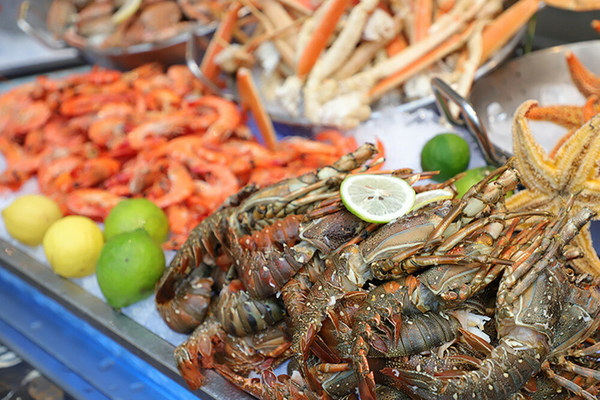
{"x": 95, "y": 138}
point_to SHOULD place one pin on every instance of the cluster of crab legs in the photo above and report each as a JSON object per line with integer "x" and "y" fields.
{"x": 460, "y": 298}
{"x": 330, "y": 63}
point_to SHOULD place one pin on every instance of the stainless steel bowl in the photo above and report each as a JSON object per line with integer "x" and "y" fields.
{"x": 542, "y": 75}
{"x": 32, "y": 20}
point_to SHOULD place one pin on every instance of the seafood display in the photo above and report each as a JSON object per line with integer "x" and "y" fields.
{"x": 330, "y": 64}
{"x": 119, "y": 24}
{"x": 460, "y": 298}
{"x": 274, "y": 283}
{"x": 94, "y": 138}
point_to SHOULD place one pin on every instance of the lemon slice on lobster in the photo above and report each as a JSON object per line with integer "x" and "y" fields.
{"x": 430, "y": 196}
{"x": 377, "y": 198}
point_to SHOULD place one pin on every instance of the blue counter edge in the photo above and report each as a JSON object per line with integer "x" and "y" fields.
{"x": 72, "y": 353}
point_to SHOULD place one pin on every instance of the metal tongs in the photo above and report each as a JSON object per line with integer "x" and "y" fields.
{"x": 444, "y": 94}
{"x": 192, "y": 55}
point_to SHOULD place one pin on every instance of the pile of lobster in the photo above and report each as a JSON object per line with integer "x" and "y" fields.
{"x": 460, "y": 298}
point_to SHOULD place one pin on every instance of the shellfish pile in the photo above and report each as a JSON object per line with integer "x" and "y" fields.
{"x": 460, "y": 298}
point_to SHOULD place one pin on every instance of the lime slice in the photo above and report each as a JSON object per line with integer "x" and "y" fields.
{"x": 430, "y": 196}
{"x": 377, "y": 198}
{"x": 126, "y": 10}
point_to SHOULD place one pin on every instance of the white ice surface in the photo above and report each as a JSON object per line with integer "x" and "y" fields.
{"x": 404, "y": 135}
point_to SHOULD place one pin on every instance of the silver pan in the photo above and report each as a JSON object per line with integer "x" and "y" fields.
{"x": 542, "y": 75}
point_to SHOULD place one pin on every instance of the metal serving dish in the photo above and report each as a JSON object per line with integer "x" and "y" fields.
{"x": 32, "y": 20}
{"x": 542, "y": 75}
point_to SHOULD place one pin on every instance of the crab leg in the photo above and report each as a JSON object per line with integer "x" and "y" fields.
{"x": 251, "y": 99}
{"x": 467, "y": 67}
{"x": 284, "y": 48}
{"x": 446, "y": 26}
{"x": 423, "y": 11}
{"x": 498, "y": 32}
{"x": 280, "y": 18}
{"x": 447, "y": 47}
{"x": 301, "y": 7}
{"x": 443, "y": 6}
{"x": 346, "y": 41}
{"x": 334, "y": 9}
{"x": 396, "y": 45}
{"x": 363, "y": 54}
{"x": 223, "y": 35}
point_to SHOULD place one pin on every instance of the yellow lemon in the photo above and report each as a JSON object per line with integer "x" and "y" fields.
{"x": 28, "y": 217}
{"x": 128, "y": 268}
{"x": 72, "y": 246}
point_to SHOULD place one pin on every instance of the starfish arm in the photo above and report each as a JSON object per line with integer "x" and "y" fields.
{"x": 578, "y": 156}
{"x": 589, "y": 263}
{"x": 586, "y": 81}
{"x": 528, "y": 200}
{"x": 567, "y": 116}
{"x": 589, "y": 196}
{"x": 537, "y": 170}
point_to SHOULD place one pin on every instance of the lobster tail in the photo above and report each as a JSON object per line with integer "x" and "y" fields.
{"x": 501, "y": 375}
{"x": 186, "y": 307}
{"x": 183, "y": 292}
{"x": 240, "y": 315}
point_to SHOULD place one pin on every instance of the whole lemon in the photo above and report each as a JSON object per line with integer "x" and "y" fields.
{"x": 132, "y": 214}
{"x": 448, "y": 153}
{"x": 128, "y": 268}
{"x": 28, "y": 217}
{"x": 72, "y": 246}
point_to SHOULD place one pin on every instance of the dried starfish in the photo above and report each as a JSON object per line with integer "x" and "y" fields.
{"x": 549, "y": 181}
{"x": 567, "y": 116}
{"x": 586, "y": 81}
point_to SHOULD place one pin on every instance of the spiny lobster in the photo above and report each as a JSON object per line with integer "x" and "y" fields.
{"x": 462, "y": 239}
{"x": 181, "y": 292}
{"x": 541, "y": 313}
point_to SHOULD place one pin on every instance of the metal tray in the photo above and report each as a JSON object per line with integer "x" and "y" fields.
{"x": 32, "y": 20}
{"x": 124, "y": 331}
{"x": 542, "y": 75}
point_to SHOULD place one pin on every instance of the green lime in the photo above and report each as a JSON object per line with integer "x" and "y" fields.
{"x": 28, "y": 218}
{"x": 448, "y": 153}
{"x": 72, "y": 245}
{"x": 132, "y": 214}
{"x": 129, "y": 266}
{"x": 377, "y": 198}
{"x": 470, "y": 178}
